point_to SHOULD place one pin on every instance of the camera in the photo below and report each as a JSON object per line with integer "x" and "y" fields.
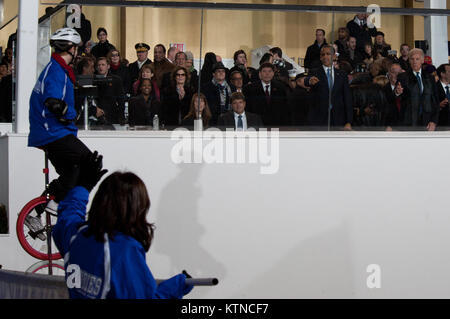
{"x": 279, "y": 63}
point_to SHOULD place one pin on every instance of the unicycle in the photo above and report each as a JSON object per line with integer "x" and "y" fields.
{"x": 34, "y": 229}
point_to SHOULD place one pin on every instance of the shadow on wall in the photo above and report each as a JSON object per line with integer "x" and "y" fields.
{"x": 177, "y": 213}
{"x": 319, "y": 267}
{"x": 3, "y": 220}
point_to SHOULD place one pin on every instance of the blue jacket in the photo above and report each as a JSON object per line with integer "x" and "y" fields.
{"x": 113, "y": 269}
{"x": 45, "y": 127}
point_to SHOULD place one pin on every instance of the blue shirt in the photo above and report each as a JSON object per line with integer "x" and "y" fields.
{"x": 45, "y": 127}
{"x": 115, "y": 268}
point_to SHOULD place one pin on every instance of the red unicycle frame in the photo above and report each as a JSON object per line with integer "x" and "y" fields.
{"x": 32, "y": 233}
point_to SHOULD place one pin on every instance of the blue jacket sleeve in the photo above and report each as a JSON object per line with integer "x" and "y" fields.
{"x": 134, "y": 279}
{"x": 71, "y": 213}
{"x": 54, "y": 84}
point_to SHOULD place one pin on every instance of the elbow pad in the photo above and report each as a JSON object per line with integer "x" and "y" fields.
{"x": 56, "y": 106}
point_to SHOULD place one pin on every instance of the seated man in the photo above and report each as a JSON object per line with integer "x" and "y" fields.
{"x": 267, "y": 98}
{"x": 111, "y": 97}
{"x": 238, "y": 118}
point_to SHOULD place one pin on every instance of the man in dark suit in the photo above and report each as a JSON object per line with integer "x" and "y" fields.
{"x": 111, "y": 96}
{"x": 267, "y": 98}
{"x": 418, "y": 89}
{"x": 238, "y": 118}
{"x": 443, "y": 85}
{"x": 312, "y": 57}
{"x": 142, "y": 58}
{"x": 335, "y": 109}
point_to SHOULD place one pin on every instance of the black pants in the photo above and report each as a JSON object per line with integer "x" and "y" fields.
{"x": 66, "y": 155}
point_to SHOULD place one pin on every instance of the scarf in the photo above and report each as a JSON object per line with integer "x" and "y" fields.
{"x": 225, "y": 93}
{"x": 64, "y": 65}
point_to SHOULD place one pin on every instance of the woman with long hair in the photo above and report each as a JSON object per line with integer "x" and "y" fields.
{"x": 207, "y": 68}
{"x": 104, "y": 257}
{"x": 177, "y": 97}
{"x": 198, "y": 111}
{"x": 147, "y": 72}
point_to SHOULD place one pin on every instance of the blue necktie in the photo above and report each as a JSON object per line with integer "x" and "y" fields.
{"x": 447, "y": 93}
{"x": 330, "y": 83}
{"x": 330, "y": 79}
{"x": 240, "y": 124}
{"x": 419, "y": 80}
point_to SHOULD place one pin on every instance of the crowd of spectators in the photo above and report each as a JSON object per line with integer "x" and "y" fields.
{"x": 357, "y": 82}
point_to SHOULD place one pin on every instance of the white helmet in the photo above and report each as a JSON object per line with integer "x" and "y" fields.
{"x": 66, "y": 34}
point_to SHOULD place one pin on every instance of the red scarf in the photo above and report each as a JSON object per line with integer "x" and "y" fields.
{"x": 64, "y": 65}
{"x": 115, "y": 67}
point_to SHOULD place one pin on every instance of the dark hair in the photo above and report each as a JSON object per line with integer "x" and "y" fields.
{"x": 323, "y": 31}
{"x": 174, "y": 75}
{"x": 265, "y": 58}
{"x": 141, "y": 82}
{"x": 121, "y": 205}
{"x": 206, "y": 114}
{"x": 161, "y": 46}
{"x": 209, "y": 61}
{"x": 103, "y": 58}
{"x": 83, "y": 63}
{"x": 180, "y": 53}
{"x": 237, "y": 96}
{"x": 101, "y": 29}
{"x": 277, "y": 51}
{"x": 236, "y": 54}
{"x": 266, "y": 65}
{"x": 441, "y": 69}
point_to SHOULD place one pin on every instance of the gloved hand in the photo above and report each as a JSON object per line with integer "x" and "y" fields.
{"x": 91, "y": 171}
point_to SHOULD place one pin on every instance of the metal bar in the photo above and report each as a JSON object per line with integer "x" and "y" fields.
{"x": 9, "y": 21}
{"x": 262, "y": 7}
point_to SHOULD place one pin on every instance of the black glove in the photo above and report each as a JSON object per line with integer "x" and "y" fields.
{"x": 56, "y": 106}
{"x": 91, "y": 171}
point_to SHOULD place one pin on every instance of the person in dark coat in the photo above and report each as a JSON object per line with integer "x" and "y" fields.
{"x": 381, "y": 45}
{"x": 217, "y": 92}
{"x": 142, "y": 59}
{"x": 111, "y": 97}
{"x": 85, "y": 31}
{"x": 5, "y": 94}
{"x": 206, "y": 73}
{"x": 335, "y": 109}
{"x": 300, "y": 101}
{"x": 177, "y": 98}
{"x": 119, "y": 69}
{"x": 312, "y": 57}
{"x": 443, "y": 71}
{"x": 142, "y": 108}
{"x": 267, "y": 98}
{"x": 102, "y": 48}
{"x": 197, "y": 111}
{"x": 418, "y": 89}
{"x": 239, "y": 118}
{"x": 359, "y": 29}
{"x": 240, "y": 64}
{"x": 192, "y": 78}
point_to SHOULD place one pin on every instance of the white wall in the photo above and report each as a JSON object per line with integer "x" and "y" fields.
{"x": 338, "y": 204}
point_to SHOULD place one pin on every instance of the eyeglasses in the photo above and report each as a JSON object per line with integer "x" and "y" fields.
{"x": 180, "y": 74}
{"x": 115, "y": 54}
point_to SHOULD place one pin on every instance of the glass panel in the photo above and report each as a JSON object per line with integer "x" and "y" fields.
{"x": 305, "y": 100}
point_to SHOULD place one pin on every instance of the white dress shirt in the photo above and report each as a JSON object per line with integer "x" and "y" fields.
{"x": 244, "y": 120}
{"x": 140, "y": 64}
{"x": 264, "y": 87}
{"x": 325, "y": 68}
